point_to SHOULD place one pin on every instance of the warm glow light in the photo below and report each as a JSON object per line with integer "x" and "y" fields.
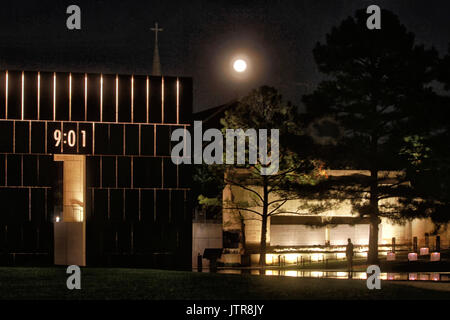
{"x": 361, "y": 276}
{"x": 70, "y": 96}
{"x": 340, "y": 255}
{"x": 132, "y": 98}
{"x": 162, "y": 99}
{"x": 39, "y": 96}
{"x": 57, "y": 219}
{"x": 23, "y": 97}
{"x": 101, "y": 97}
{"x": 239, "y": 65}
{"x": 6, "y": 95}
{"x": 291, "y": 257}
{"x": 117, "y": 98}
{"x": 435, "y": 256}
{"x": 412, "y": 256}
{"x": 361, "y": 254}
{"x": 316, "y": 257}
{"x": 146, "y": 96}
{"x": 424, "y": 277}
{"x": 178, "y": 101}
{"x": 54, "y": 96}
{"x": 85, "y": 96}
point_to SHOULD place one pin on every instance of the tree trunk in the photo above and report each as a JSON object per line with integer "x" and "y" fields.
{"x": 262, "y": 250}
{"x": 372, "y": 255}
{"x": 244, "y": 246}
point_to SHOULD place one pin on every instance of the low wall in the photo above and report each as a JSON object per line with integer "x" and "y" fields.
{"x": 207, "y": 234}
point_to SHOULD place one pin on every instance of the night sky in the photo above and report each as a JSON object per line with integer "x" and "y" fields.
{"x": 199, "y": 39}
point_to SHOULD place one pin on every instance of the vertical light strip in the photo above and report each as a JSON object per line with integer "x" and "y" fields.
{"x": 6, "y": 95}
{"x": 132, "y": 98}
{"x": 101, "y": 97}
{"x": 23, "y": 97}
{"x": 54, "y": 96}
{"x": 85, "y": 96}
{"x": 62, "y": 144}
{"x": 147, "y": 91}
{"x": 162, "y": 99}
{"x": 70, "y": 97}
{"x": 178, "y": 101}
{"x": 39, "y": 96}
{"x": 117, "y": 98}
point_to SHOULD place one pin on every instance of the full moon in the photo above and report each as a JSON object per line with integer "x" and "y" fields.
{"x": 240, "y": 65}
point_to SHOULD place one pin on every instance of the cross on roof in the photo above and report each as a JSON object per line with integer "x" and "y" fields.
{"x": 156, "y": 30}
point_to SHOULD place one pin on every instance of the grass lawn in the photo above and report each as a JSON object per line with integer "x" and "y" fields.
{"x": 102, "y": 283}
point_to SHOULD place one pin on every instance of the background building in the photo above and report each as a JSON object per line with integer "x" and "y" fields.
{"x": 293, "y": 237}
{"x": 85, "y": 169}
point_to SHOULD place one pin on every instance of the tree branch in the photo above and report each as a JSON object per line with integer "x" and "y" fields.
{"x": 246, "y": 209}
{"x": 278, "y": 207}
{"x": 243, "y": 187}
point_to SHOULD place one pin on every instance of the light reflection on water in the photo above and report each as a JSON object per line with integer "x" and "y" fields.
{"x": 413, "y": 276}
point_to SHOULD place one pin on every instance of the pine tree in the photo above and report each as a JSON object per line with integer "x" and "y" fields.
{"x": 378, "y": 81}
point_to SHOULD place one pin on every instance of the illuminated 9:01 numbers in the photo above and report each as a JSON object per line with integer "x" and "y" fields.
{"x": 71, "y": 138}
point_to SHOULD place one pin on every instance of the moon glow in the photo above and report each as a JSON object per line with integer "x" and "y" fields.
{"x": 240, "y": 65}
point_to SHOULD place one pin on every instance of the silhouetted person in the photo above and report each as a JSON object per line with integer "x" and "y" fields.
{"x": 349, "y": 254}
{"x": 199, "y": 262}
